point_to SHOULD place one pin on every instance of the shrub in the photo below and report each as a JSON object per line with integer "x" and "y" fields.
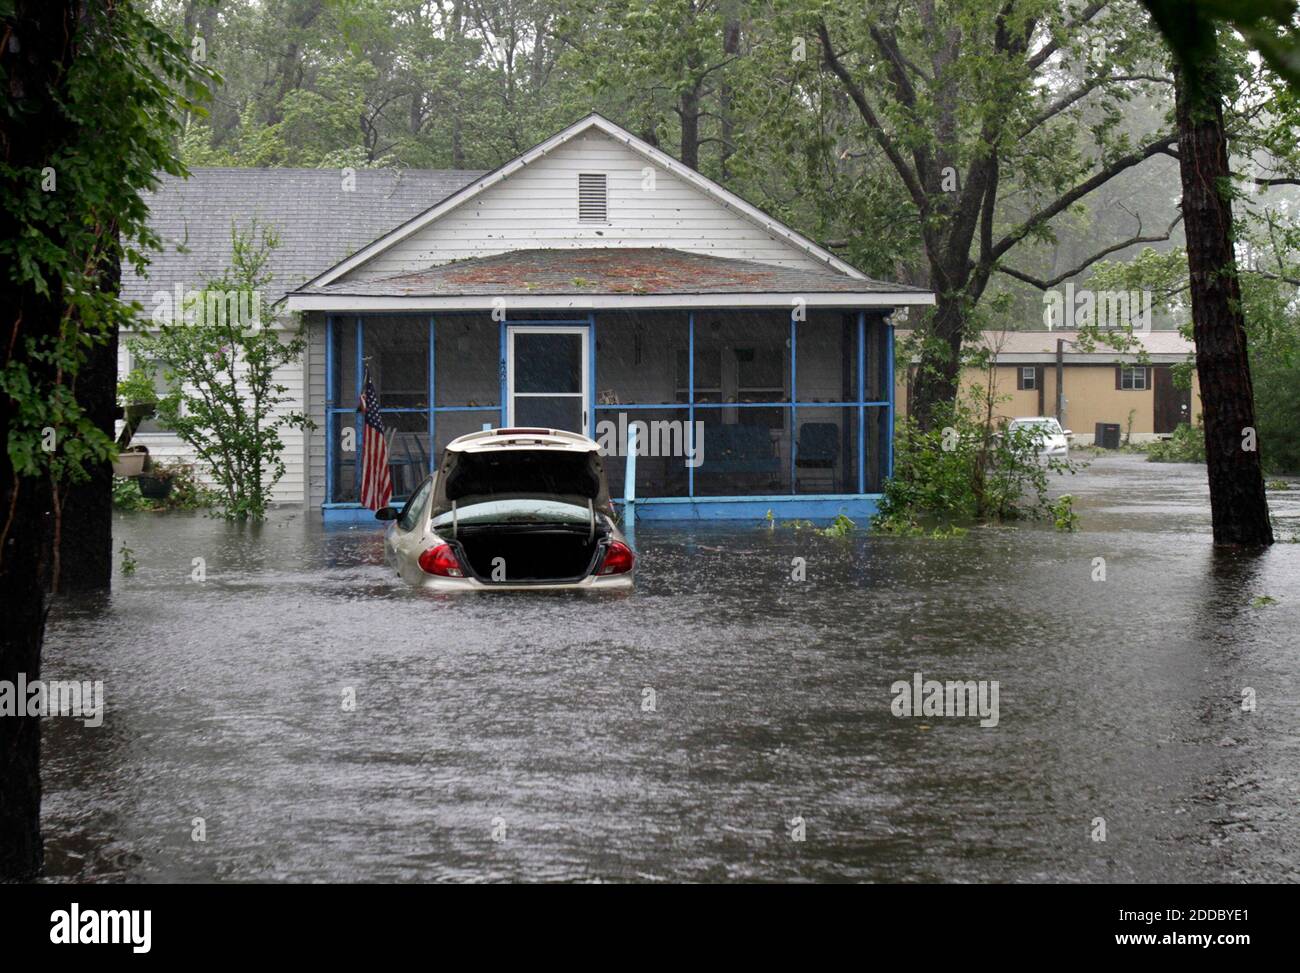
{"x": 1186, "y": 445}
{"x": 964, "y": 469}
{"x": 186, "y": 492}
{"x": 126, "y": 494}
{"x": 1277, "y": 404}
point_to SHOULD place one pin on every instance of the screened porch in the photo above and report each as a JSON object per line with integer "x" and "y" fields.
{"x": 728, "y": 404}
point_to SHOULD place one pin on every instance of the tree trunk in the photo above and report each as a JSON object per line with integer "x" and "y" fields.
{"x": 457, "y": 108}
{"x": 36, "y": 57}
{"x": 730, "y": 47}
{"x": 85, "y": 524}
{"x": 939, "y": 368}
{"x": 1238, "y": 505}
{"x": 689, "y": 109}
{"x": 23, "y": 592}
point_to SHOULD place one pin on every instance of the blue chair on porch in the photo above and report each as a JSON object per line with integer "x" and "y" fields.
{"x": 818, "y": 449}
{"x": 410, "y": 468}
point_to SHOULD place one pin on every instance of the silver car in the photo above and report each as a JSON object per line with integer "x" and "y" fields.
{"x": 511, "y": 509}
{"x": 1043, "y": 435}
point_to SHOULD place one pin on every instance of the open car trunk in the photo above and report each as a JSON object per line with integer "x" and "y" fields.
{"x": 564, "y": 470}
{"x": 524, "y": 506}
{"x": 530, "y": 553}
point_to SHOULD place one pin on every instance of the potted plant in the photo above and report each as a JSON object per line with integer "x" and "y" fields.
{"x": 139, "y": 401}
{"x": 130, "y": 461}
{"x": 156, "y": 482}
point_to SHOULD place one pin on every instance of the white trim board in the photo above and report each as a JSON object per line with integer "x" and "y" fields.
{"x": 596, "y": 302}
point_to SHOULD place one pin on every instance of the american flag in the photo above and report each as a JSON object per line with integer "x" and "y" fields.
{"x": 376, "y": 483}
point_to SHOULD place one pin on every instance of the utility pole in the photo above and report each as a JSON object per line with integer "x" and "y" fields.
{"x": 1060, "y": 381}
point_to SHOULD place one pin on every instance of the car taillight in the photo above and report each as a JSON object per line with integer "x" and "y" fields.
{"x": 442, "y": 561}
{"x": 618, "y": 559}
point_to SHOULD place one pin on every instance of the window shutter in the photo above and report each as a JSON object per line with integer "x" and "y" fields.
{"x": 1020, "y": 378}
{"x": 1119, "y": 376}
{"x": 593, "y": 199}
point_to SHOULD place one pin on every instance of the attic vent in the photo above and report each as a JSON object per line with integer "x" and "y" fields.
{"x": 592, "y": 197}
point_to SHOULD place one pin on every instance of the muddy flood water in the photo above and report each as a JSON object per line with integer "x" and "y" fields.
{"x": 510, "y": 736}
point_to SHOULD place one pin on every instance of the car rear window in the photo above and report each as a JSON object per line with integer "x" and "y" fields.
{"x": 1049, "y": 426}
{"x": 536, "y": 472}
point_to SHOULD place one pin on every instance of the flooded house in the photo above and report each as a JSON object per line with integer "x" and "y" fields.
{"x": 593, "y": 284}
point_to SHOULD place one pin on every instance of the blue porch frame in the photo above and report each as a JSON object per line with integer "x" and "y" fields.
{"x": 693, "y": 506}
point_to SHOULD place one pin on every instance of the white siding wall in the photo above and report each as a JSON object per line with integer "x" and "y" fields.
{"x": 537, "y": 208}
{"x": 167, "y": 446}
{"x": 315, "y": 408}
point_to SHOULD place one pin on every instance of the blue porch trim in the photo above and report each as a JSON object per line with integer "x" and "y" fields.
{"x": 589, "y": 410}
{"x": 890, "y": 393}
{"x": 862, "y": 395}
{"x": 329, "y": 406}
{"x": 690, "y": 401}
{"x": 338, "y": 412}
{"x": 859, "y": 508}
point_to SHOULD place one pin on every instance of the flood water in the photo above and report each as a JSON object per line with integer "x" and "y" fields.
{"x": 522, "y": 717}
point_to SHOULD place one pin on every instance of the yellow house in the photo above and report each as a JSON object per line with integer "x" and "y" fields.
{"x": 1097, "y": 386}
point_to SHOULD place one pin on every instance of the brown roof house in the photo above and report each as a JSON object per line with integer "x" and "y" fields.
{"x": 593, "y": 284}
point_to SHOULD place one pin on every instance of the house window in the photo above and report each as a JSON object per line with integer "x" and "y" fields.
{"x": 1027, "y": 377}
{"x": 1131, "y": 379}
{"x": 593, "y": 198}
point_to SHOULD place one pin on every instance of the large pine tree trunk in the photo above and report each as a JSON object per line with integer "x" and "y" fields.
{"x": 727, "y": 120}
{"x": 84, "y": 525}
{"x": 36, "y": 56}
{"x": 689, "y": 110}
{"x": 1237, "y": 502}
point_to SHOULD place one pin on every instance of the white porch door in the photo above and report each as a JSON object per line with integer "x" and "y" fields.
{"x": 547, "y": 377}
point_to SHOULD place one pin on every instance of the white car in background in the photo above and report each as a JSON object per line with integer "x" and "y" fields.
{"x": 1044, "y": 435}
{"x": 521, "y": 509}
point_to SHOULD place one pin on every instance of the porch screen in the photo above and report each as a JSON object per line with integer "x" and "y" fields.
{"x": 744, "y": 403}
{"x": 437, "y": 379}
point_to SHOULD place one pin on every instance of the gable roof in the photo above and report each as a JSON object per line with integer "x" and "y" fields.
{"x": 711, "y": 189}
{"x": 317, "y": 221}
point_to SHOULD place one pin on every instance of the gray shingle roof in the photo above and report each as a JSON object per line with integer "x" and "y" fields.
{"x": 607, "y": 270}
{"x": 318, "y": 223}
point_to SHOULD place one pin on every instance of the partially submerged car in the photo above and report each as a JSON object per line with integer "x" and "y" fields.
{"x": 517, "y": 508}
{"x": 1043, "y": 435}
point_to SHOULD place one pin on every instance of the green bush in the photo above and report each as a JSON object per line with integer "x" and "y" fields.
{"x": 127, "y": 496}
{"x": 964, "y": 469}
{"x": 186, "y": 493}
{"x": 1186, "y": 445}
{"x": 1277, "y": 412}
